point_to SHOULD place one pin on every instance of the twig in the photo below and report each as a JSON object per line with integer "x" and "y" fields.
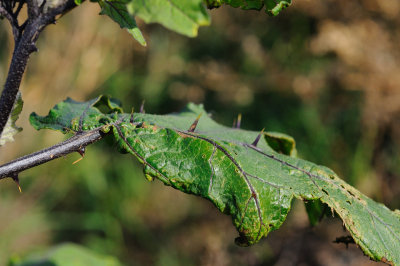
{"x": 74, "y": 144}
{"x": 19, "y": 7}
{"x": 33, "y": 8}
{"x": 25, "y": 38}
{"x": 7, "y": 13}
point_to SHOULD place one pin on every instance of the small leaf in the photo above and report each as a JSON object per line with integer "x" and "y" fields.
{"x": 182, "y": 16}
{"x": 10, "y": 128}
{"x": 274, "y": 7}
{"x": 117, "y": 11}
{"x": 213, "y": 3}
{"x": 255, "y": 185}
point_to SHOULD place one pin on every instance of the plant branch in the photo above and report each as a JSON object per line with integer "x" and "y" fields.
{"x": 33, "y": 8}
{"x": 19, "y": 7}
{"x": 76, "y": 143}
{"x": 6, "y": 12}
{"x": 25, "y": 38}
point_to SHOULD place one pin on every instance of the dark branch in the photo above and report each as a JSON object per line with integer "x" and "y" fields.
{"x": 7, "y": 13}
{"x": 25, "y": 38}
{"x": 73, "y": 144}
{"x": 19, "y": 7}
{"x": 61, "y": 9}
{"x": 33, "y": 8}
{"x": 4, "y": 12}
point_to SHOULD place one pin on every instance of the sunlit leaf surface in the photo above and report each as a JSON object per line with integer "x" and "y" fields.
{"x": 243, "y": 173}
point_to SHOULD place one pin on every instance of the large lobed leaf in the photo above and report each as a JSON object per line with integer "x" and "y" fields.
{"x": 255, "y": 184}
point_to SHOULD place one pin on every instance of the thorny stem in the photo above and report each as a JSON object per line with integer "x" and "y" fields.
{"x": 25, "y": 37}
{"x": 74, "y": 144}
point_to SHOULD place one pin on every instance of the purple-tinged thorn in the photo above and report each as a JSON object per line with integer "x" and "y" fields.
{"x": 194, "y": 125}
{"x": 255, "y": 142}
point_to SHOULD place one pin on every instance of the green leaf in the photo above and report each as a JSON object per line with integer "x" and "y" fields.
{"x": 253, "y": 184}
{"x": 272, "y": 7}
{"x": 64, "y": 116}
{"x": 281, "y": 143}
{"x": 117, "y": 11}
{"x": 315, "y": 210}
{"x": 66, "y": 255}
{"x": 182, "y": 16}
{"x": 11, "y": 128}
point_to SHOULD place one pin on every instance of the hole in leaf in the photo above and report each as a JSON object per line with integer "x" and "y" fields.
{"x": 351, "y": 193}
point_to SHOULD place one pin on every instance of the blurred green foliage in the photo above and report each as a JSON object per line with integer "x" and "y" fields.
{"x": 268, "y": 69}
{"x": 66, "y": 255}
